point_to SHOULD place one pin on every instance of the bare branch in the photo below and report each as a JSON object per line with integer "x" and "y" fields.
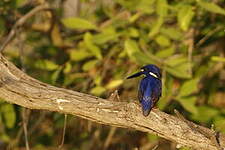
{"x": 18, "y": 88}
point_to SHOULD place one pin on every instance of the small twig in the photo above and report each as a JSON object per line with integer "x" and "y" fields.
{"x": 109, "y": 138}
{"x": 20, "y": 22}
{"x": 190, "y": 49}
{"x": 14, "y": 142}
{"x": 25, "y": 117}
{"x": 34, "y": 126}
{"x": 207, "y": 36}
{"x": 64, "y": 132}
{"x": 155, "y": 147}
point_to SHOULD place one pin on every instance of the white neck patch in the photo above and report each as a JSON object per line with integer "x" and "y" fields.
{"x": 152, "y": 74}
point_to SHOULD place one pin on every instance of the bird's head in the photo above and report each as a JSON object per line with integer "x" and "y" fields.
{"x": 148, "y": 71}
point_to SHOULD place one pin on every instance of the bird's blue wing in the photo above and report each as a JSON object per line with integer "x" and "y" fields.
{"x": 145, "y": 96}
{"x": 156, "y": 91}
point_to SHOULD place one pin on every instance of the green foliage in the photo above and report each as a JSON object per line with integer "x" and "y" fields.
{"x": 95, "y": 49}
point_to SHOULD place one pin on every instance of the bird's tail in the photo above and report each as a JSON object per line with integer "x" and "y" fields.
{"x": 146, "y": 107}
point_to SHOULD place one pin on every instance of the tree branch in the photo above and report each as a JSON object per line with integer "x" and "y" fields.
{"x": 18, "y": 88}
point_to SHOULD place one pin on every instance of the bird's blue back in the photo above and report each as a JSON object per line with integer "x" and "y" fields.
{"x": 149, "y": 93}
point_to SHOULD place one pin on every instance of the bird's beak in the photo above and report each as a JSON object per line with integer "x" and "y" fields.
{"x": 135, "y": 75}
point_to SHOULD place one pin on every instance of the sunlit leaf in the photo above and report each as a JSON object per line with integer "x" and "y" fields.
{"x": 161, "y": 8}
{"x": 146, "y": 6}
{"x": 173, "y": 61}
{"x": 56, "y": 36}
{"x": 133, "y": 32}
{"x": 185, "y": 15}
{"x": 89, "y": 65}
{"x": 113, "y": 84}
{"x": 212, "y": 7}
{"x": 162, "y": 40}
{"x": 156, "y": 27}
{"x": 134, "y": 17}
{"x": 9, "y": 115}
{"x": 165, "y": 52}
{"x": 98, "y": 90}
{"x": 172, "y": 33}
{"x": 98, "y": 80}
{"x": 78, "y": 55}
{"x": 46, "y": 65}
{"x": 55, "y": 75}
{"x": 218, "y": 59}
{"x": 107, "y": 35}
{"x": 67, "y": 68}
{"x": 78, "y": 23}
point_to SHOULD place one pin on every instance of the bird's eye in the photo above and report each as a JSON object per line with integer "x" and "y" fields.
{"x": 142, "y": 70}
{"x": 152, "y": 74}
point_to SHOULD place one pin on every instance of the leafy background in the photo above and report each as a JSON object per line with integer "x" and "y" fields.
{"x": 91, "y": 46}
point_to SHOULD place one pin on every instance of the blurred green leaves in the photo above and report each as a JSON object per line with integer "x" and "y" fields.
{"x": 185, "y": 96}
{"x": 135, "y": 54}
{"x": 178, "y": 66}
{"x": 189, "y": 103}
{"x": 188, "y": 87}
{"x": 205, "y": 113}
{"x": 94, "y": 49}
{"x": 131, "y": 48}
{"x": 161, "y": 10}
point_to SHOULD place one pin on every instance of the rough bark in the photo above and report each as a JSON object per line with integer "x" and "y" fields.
{"x": 18, "y": 88}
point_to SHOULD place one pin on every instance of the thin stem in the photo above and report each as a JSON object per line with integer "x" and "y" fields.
{"x": 64, "y": 132}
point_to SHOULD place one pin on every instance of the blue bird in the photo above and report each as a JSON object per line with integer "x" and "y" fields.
{"x": 150, "y": 87}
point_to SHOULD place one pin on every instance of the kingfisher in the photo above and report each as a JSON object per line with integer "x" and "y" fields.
{"x": 150, "y": 87}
